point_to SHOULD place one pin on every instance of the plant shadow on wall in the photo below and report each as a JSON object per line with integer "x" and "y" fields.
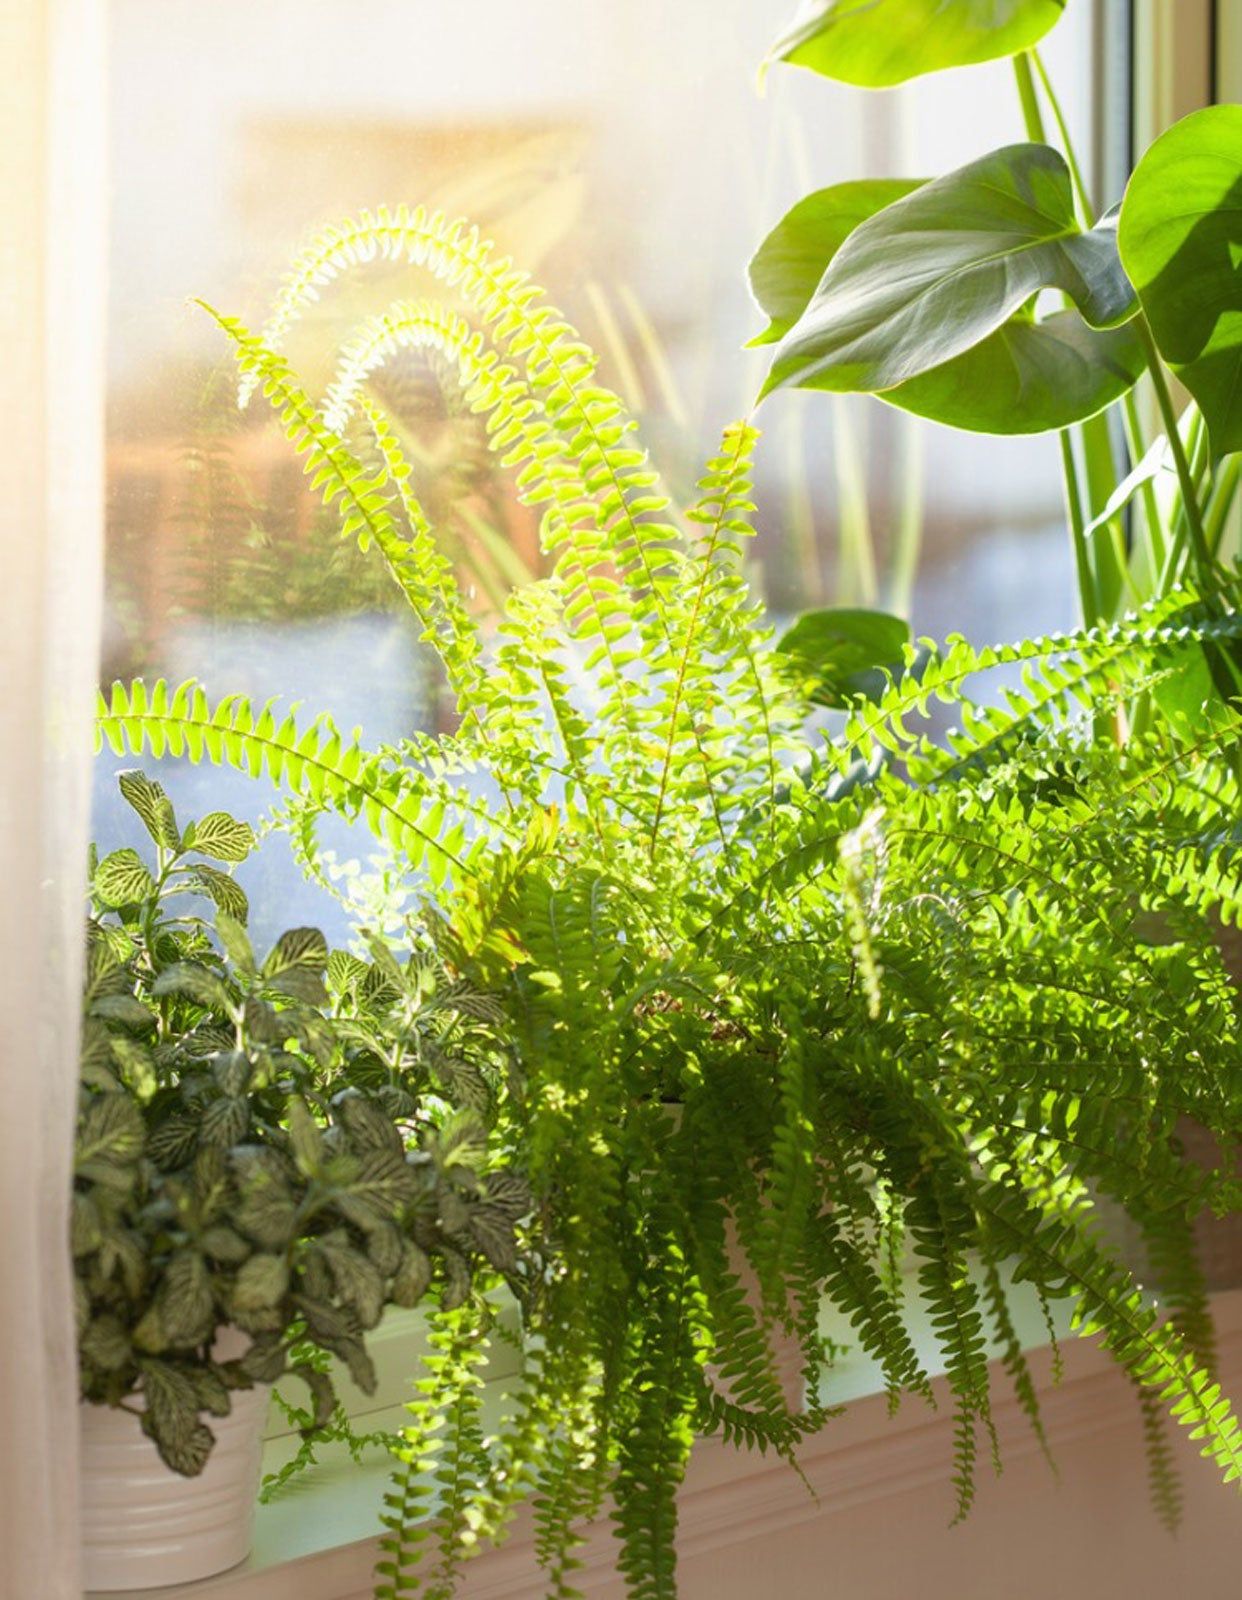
{"x": 777, "y": 1007}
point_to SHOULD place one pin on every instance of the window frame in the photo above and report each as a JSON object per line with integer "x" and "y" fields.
{"x": 1175, "y": 55}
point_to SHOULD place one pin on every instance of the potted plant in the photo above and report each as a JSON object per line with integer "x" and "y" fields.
{"x": 779, "y": 1005}
{"x": 269, "y": 1154}
{"x": 1005, "y": 298}
{"x": 932, "y": 296}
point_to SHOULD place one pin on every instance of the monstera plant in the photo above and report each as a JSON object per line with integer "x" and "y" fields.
{"x": 879, "y": 43}
{"x": 1004, "y": 297}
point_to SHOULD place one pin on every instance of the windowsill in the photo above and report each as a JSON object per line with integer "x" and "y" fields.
{"x": 317, "y": 1540}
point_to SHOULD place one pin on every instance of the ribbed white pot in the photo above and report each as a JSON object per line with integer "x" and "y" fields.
{"x": 144, "y": 1526}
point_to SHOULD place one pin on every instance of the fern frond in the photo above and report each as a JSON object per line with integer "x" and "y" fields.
{"x": 416, "y": 566}
{"x": 1110, "y": 1306}
{"x": 720, "y": 663}
{"x": 937, "y": 1215}
{"x": 412, "y": 813}
{"x": 439, "y": 1490}
{"x": 1167, "y": 1494}
{"x": 1060, "y": 672}
{"x": 1013, "y": 1357}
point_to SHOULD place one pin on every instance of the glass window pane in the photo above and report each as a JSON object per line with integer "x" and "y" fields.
{"x": 623, "y": 154}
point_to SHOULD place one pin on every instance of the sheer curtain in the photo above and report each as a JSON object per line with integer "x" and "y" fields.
{"x": 51, "y": 409}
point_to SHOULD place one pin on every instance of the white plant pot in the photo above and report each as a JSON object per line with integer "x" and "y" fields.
{"x": 143, "y": 1525}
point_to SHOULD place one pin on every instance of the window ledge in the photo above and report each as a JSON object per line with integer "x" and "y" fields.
{"x": 317, "y": 1539}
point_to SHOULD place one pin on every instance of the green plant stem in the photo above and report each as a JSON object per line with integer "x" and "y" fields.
{"x": 856, "y": 570}
{"x": 1032, "y": 116}
{"x": 1078, "y": 531}
{"x": 1199, "y": 452}
{"x": 1137, "y": 445}
{"x": 1110, "y": 566}
{"x": 1067, "y": 144}
{"x": 1221, "y": 503}
{"x": 1107, "y": 559}
{"x": 905, "y": 558}
{"x": 1196, "y": 454}
{"x": 1194, "y": 522}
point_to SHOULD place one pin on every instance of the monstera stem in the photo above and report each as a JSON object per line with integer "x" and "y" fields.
{"x": 1034, "y": 121}
{"x": 1032, "y": 116}
{"x": 1067, "y": 144}
{"x": 1083, "y": 566}
{"x": 1190, "y": 496}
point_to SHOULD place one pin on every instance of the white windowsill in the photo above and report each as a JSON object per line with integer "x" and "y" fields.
{"x": 317, "y": 1539}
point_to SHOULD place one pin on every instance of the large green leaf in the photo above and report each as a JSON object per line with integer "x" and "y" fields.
{"x": 261, "y": 1282}
{"x": 296, "y": 964}
{"x": 412, "y": 1276}
{"x": 186, "y": 1307}
{"x": 220, "y": 835}
{"x": 224, "y": 890}
{"x": 848, "y": 652}
{"x": 786, "y": 269}
{"x": 934, "y": 274}
{"x": 1028, "y": 377}
{"x": 171, "y": 1418}
{"x": 1181, "y": 242}
{"x": 874, "y": 43}
{"x": 110, "y": 1134}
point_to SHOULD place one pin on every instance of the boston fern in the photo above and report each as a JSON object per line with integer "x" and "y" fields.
{"x": 281, "y": 1148}
{"x": 784, "y": 1010}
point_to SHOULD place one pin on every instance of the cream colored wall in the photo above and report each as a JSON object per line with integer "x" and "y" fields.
{"x": 880, "y": 1531}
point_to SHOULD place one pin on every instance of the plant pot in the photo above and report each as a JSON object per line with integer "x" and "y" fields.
{"x": 143, "y": 1525}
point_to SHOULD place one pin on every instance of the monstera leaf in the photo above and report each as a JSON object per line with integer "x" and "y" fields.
{"x": 1181, "y": 242}
{"x": 875, "y": 43}
{"x": 786, "y": 269}
{"x": 848, "y": 654}
{"x": 1028, "y": 376}
{"x": 933, "y": 275}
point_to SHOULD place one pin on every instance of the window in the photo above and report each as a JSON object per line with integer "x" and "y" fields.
{"x": 237, "y": 127}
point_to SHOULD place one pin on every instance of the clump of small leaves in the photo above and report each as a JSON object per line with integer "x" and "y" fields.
{"x": 282, "y": 1146}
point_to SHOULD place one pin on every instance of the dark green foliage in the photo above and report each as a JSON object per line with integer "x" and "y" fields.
{"x": 282, "y": 1147}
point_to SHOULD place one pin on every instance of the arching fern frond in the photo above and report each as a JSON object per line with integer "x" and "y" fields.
{"x": 365, "y": 507}
{"x": 1061, "y": 673}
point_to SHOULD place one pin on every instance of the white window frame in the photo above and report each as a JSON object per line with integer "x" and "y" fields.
{"x": 1175, "y": 50}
